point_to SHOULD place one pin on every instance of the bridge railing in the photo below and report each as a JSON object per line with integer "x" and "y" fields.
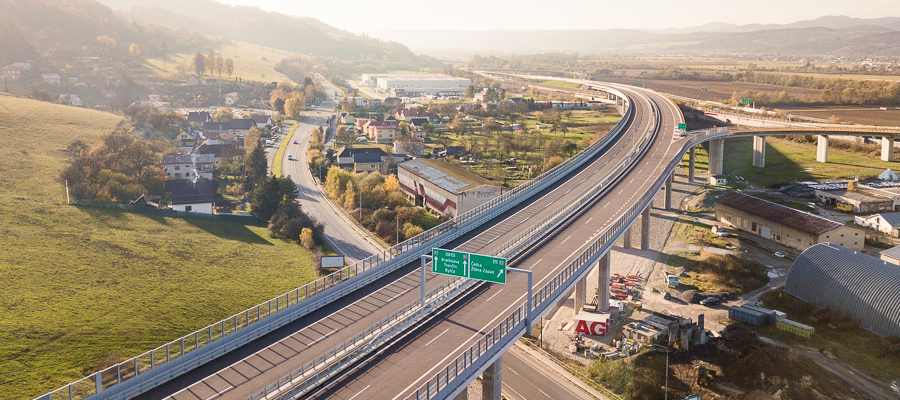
{"x": 165, "y": 362}
{"x": 300, "y": 381}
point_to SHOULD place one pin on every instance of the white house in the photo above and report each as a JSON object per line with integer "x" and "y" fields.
{"x": 888, "y": 223}
{"x": 197, "y": 196}
{"x": 189, "y": 166}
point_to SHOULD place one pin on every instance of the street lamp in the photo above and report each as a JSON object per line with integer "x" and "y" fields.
{"x": 667, "y": 367}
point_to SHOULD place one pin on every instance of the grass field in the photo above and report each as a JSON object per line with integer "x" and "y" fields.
{"x": 856, "y": 115}
{"x": 84, "y": 285}
{"x": 788, "y": 161}
{"x": 251, "y": 62}
{"x": 572, "y": 85}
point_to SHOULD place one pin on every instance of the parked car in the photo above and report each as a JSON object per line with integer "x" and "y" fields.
{"x": 667, "y": 295}
{"x": 779, "y": 254}
{"x": 710, "y": 301}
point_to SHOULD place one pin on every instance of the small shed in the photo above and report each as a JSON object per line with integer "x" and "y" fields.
{"x": 718, "y": 180}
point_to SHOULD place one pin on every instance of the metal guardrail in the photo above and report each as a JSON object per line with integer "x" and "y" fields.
{"x": 181, "y": 355}
{"x": 465, "y": 367}
{"x": 298, "y": 382}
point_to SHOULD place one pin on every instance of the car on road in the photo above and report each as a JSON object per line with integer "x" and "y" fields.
{"x": 295, "y": 142}
{"x": 779, "y": 254}
{"x": 710, "y": 301}
{"x": 290, "y": 157}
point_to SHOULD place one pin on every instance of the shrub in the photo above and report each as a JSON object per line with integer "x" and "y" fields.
{"x": 306, "y": 238}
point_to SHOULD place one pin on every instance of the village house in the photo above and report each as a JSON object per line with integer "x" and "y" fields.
{"x": 238, "y": 127}
{"x": 189, "y": 166}
{"x": 50, "y": 79}
{"x": 192, "y": 81}
{"x": 196, "y": 119}
{"x": 192, "y": 196}
{"x": 221, "y": 152}
{"x": 382, "y": 132}
{"x": 70, "y": 99}
{"x": 185, "y": 139}
{"x": 261, "y": 120}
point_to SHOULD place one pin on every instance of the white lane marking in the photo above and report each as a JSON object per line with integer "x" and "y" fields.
{"x": 592, "y": 218}
{"x": 565, "y": 239}
{"x": 398, "y": 295}
{"x": 360, "y": 392}
{"x": 606, "y": 205}
{"x": 440, "y": 364}
{"x": 223, "y": 391}
{"x": 495, "y": 295}
{"x": 514, "y": 371}
{"x": 514, "y": 391}
{"x": 441, "y": 334}
{"x": 545, "y": 393}
{"x": 536, "y": 263}
{"x": 323, "y": 337}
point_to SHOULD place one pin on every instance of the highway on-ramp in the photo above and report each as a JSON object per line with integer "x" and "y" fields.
{"x": 246, "y": 370}
{"x": 397, "y": 370}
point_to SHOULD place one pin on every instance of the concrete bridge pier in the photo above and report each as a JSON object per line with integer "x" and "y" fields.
{"x": 669, "y": 191}
{"x": 491, "y": 381}
{"x": 603, "y": 284}
{"x": 716, "y": 156}
{"x": 580, "y": 294}
{"x": 822, "y": 149}
{"x": 645, "y": 229}
{"x": 759, "y": 151}
{"x": 887, "y": 148}
{"x": 626, "y": 239}
{"x": 691, "y": 163}
{"x": 464, "y": 395}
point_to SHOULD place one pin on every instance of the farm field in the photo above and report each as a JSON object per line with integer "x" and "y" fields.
{"x": 251, "y": 62}
{"x": 87, "y": 287}
{"x": 716, "y": 91}
{"x": 856, "y": 115}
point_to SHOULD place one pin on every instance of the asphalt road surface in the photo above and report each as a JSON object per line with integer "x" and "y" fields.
{"x": 251, "y": 367}
{"x": 397, "y": 370}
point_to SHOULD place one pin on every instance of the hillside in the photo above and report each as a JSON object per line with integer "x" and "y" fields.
{"x": 69, "y": 29}
{"x": 874, "y": 39}
{"x": 252, "y": 25}
{"x": 87, "y": 286}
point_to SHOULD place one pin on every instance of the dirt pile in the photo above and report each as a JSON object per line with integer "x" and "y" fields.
{"x": 785, "y": 374}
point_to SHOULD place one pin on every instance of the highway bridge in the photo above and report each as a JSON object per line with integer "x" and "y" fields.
{"x": 363, "y": 332}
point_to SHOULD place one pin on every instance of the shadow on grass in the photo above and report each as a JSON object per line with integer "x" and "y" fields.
{"x": 228, "y": 230}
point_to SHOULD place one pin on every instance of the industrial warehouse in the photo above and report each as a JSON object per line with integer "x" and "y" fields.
{"x": 443, "y": 188}
{"x": 854, "y": 284}
{"x": 407, "y": 85}
{"x": 785, "y": 225}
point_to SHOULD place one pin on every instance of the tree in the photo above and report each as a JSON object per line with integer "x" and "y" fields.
{"x": 229, "y": 66}
{"x": 336, "y": 182}
{"x": 410, "y": 230}
{"x": 271, "y": 194}
{"x": 223, "y": 115}
{"x": 344, "y": 137}
{"x": 211, "y": 62}
{"x": 294, "y": 105}
{"x": 306, "y": 238}
{"x": 391, "y": 183}
{"x": 257, "y": 168}
{"x": 220, "y": 65}
{"x": 134, "y": 50}
{"x": 107, "y": 41}
{"x": 199, "y": 64}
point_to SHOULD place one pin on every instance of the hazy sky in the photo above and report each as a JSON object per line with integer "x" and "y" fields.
{"x": 373, "y": 15}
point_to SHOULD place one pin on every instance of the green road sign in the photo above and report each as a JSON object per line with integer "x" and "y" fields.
{"x": 746, "y": 101}
{"x": 638, "y": 84}
{"x": 682, "y": 127}
{"x": 487, "y": 268}
{"x": 465, "y": 265}
{"x": 449, "y": 262}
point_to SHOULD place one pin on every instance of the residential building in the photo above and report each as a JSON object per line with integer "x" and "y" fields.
{"x": 891, "y": 255}
{"x": 407, "y": 114}
{"x": 347, "y": 119}
{"x": 261, "y": 120}
{"x": 192, "y": 81}
{"x": 785, "y": 225}
{"x": 851, "y": 283}
{"x": 50, "y": 79}
{"x": 11, "y": 73}
{"x": 888, "y": 223}
{"x": 345, "y": 156}
{"x": 444, "y": 188}
{"x": 222, "y": 152}
{"x": 239, "y": 127}
{"x": 366, "y": 162}
{"x": 189, "y": 166}
{"x": 70, "y": 99}
{"x": 185, "y": 139}
{"x": 196, "y": 119}
{"x": 147, "y": 100}
{"x": 197, "y": 196}
{"x": 855, "y": 201}
{"x": 381, "y": 132}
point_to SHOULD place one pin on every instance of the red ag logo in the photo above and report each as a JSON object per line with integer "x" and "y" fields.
{"x": 591, "y": 328}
